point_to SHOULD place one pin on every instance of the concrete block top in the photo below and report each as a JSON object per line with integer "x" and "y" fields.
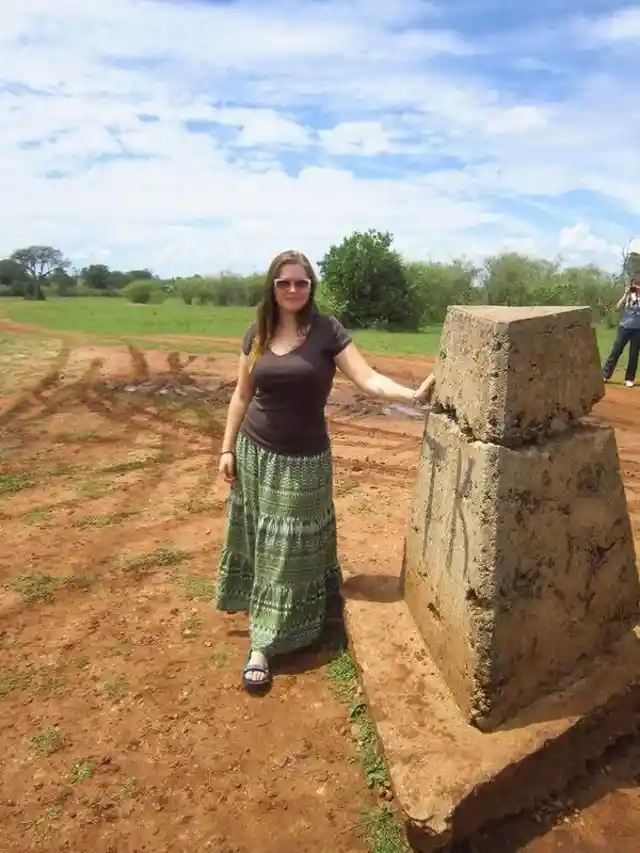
{"x": 511, "y": 375}
{"x": 507, "y": 314}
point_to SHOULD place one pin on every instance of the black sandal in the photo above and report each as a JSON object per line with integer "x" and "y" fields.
{"x": 256, "y": 686}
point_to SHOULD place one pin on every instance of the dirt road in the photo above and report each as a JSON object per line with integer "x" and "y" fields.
{"x": 121, "y": 715}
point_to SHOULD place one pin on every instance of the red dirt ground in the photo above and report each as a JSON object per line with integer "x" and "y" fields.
{"x": 122, "y": 721}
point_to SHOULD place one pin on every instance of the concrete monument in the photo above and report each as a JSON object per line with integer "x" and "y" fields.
{"x": 517, "y": 626}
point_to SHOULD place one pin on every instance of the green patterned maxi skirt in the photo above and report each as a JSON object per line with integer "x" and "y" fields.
{"x": 279, "y": 559}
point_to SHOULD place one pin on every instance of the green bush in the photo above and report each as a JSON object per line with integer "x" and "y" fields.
{"x": 187, "y": 289}
{"x": 81, "y": 290}
{"x": 140, "y": 292}
{"x": 366, "y": 285}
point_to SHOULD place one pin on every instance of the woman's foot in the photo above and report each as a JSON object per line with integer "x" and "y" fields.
{"x": 257, "y": 674}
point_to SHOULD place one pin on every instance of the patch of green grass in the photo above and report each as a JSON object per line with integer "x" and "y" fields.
{"x": 128, "y": 789}
{"x": 11, "y": 483}
{"x": 38, "y": 515}
{"x": 46, "y": 680}
{"x": 126, "y": 466}
{"x": 191, "y": 626}
{"x": 374, "y": 769}
{"x": 197, "y": 506}
{"x": 342, "y": 675}
{"x": 115, "y": 688}
{"x": 48, "y": 741}
{"x": 195, "y": 587}
{"x": 38, "y": 588}
{"x": 10, "y": 680}
{"x": 383, "y": 833}
{"x": 103, "y": 520}
{"x": 141, "y": 565}
{"x": 93, "y": 488}
{"x": 43, "y": 680}
{"x": 34, "y": 587}
{"x": 425, "y": 343}
{"x": 80, "y": 772}
{"x": 118, "y": 319}
{"x": 220, "y": 657}
{"x": 16, "y": 482}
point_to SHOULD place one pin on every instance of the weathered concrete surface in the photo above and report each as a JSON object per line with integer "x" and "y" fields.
{"x": 511, "y": 375}
{"x": 449, "y": 778}
{"x": 518, "y": 563}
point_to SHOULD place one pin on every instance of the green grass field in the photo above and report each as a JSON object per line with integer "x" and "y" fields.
{"x": 116, "y": 318}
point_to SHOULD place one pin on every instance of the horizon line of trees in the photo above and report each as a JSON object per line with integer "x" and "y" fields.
{"x": 363, "y": 281}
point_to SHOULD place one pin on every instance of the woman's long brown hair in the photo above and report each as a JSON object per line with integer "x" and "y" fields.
{"x": 268, "y": 312}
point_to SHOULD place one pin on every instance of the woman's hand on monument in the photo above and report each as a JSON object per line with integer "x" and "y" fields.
{"x": 425, "y": 392}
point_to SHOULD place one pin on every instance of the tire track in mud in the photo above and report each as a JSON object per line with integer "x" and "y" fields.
{"x": 54, "y": 395}
{"x": 133, "y": 417}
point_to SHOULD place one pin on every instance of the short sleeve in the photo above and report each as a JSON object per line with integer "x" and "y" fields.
{"x": 247, "y": 341}
{"x": 339, "y": 338}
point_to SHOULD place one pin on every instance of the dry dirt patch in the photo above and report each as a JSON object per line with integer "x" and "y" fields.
{"x": 121, "y": 716}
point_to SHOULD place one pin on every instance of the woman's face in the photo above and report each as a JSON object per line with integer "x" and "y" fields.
{"x": 292, "y": 288}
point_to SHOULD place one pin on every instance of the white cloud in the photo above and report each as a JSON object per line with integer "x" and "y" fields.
{"x": 623, "y": 25}
{"x": 579, "y": 240}
{"x": 194, "y": 136}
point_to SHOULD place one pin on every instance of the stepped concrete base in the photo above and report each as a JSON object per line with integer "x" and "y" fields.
{"x": 450, "y": 779}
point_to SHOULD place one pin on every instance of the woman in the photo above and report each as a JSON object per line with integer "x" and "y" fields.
{"x": 628, "y": 333}
{"x": 279, "y": 560}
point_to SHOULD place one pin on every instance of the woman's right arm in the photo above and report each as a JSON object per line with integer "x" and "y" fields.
{"x": 621, "y": 302}
{"x": 238, "y": 405}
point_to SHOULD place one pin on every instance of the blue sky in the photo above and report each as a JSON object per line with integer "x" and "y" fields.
{"x": 200, "y": 136}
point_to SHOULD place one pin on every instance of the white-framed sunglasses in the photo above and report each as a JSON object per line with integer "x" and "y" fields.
{"x": 296, "y": 284}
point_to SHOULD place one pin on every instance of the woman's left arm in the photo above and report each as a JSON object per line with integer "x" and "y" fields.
{"x": 369, "y": 381}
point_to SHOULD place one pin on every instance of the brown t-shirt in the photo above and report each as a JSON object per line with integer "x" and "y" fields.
{"x": 286, "y": 414}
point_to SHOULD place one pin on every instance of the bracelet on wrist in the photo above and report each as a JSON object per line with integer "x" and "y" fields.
{"x": 228, "y": 453}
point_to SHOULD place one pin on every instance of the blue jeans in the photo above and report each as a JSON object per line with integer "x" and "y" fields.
{"x": 624, "y": 337}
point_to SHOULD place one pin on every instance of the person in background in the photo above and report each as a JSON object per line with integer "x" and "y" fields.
{"x": 279, "y": 560}
{"x": 628, "y": 333}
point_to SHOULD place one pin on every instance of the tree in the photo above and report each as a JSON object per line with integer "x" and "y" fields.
{"x": 515, "y": 279}
{"x": 589, "y": 285}
{"x": 39, "y": 263}
{"x": 97, "y": 277}
{"x": 438, "y": 285}
{"x": 13, "y": 277}
{"x": 631, "y": 259}
{"x": 365, "y": 283}
{"x": 64, "y": 283}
